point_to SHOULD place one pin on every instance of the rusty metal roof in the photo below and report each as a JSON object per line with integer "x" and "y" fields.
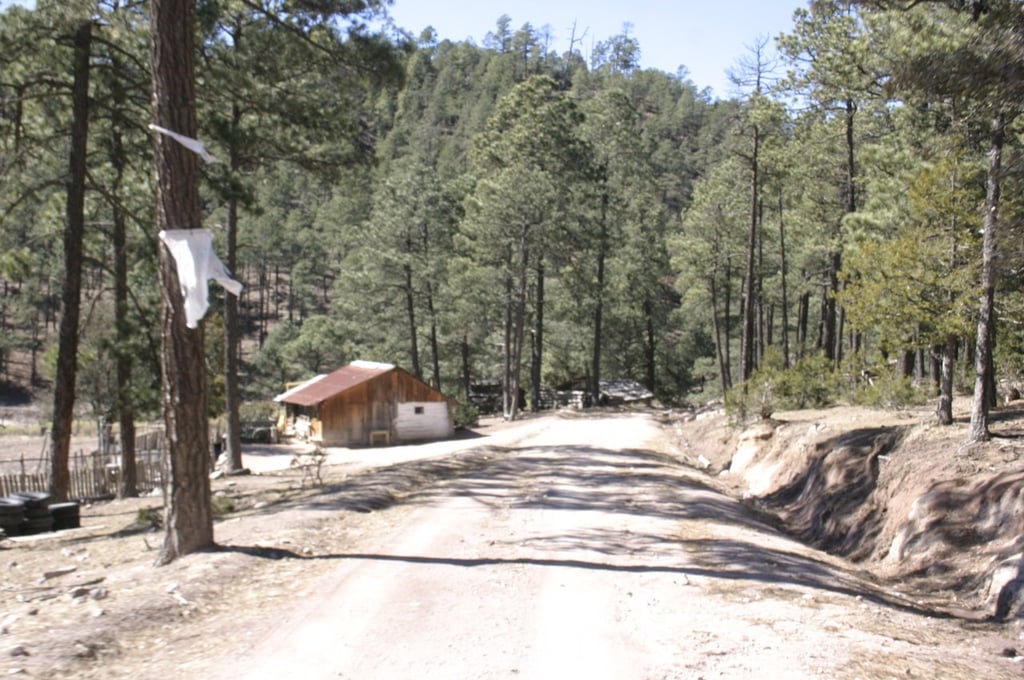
{"x": 323, "y": 387}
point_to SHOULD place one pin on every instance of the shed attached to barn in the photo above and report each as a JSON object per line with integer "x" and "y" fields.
{"x": 366, "y": 404}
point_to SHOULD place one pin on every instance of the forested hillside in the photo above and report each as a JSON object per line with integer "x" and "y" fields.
{"x": 844, "y": 228}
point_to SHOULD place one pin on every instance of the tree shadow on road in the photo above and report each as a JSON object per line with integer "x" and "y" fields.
{"x": 726, "y": 560}
{"x": 634, "y": 482}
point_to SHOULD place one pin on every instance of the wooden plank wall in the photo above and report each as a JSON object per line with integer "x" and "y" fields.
{"x": 350, "y": 418}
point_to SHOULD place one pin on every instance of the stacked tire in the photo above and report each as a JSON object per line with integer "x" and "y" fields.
{"x": 65, "y": 515}
{"x": 37, "y": 511}
{"x": 30, "y": 512}
{"x": 12, "y": 516}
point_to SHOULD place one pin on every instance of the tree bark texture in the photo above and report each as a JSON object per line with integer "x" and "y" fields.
{"x": 128, "y": 479}
{"x": 232, "y": 342}
{"x": 727, "y": 320}
{"x": 944, "y": 408}
{"x": 803, "y": 319}
{"x": 506, "y": 349}
{"x": 466, "y": 382}
{"x": 749, "y": 284}
{"x": 435, "y": 348}
{"x": 983, "y": 352}
{"x": 232, "y": 390}
{"x": 537, "y": 347}
{"x": 602, "y": 251}
{"x": 410, "y": 315}
{"x": 518, "y": 325}
{"x": 829, "y": 325}
{"x": 650, "y": 345}
{"x": 74, "y": 229}
{"x": 188, "y": 517}
{"x": 716, "y": 325}
{"x": 783, "y": 271}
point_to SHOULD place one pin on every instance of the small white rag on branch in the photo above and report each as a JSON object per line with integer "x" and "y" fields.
{"x": 196, "y": 262}
{"x": 189, "y": 143}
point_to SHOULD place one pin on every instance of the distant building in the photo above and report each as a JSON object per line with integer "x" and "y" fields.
{"x": 623, "y": 391}
{"x": 366, "y": 404}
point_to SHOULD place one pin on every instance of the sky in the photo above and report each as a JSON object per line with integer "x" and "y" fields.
{"x": 705, "y": 36}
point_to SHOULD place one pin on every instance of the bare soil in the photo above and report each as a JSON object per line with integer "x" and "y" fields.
{"x": 645, "y": 544}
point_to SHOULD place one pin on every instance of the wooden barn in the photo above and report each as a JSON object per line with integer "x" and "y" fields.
{"x": 366, "y": 404}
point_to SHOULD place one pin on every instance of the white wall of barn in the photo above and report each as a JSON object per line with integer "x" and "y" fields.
{"x": 419, "y": 420}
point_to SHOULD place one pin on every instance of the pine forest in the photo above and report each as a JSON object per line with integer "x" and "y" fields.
{"x": 844, "y": 227}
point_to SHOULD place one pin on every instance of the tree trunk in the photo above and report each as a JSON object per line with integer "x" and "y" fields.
{"x": 232, "y": 390}
{"x": 749, "y": 284}
{"x": 465, "y": 367}
{"x": 536, "y": 359}
{"x": 803, "y": 320}
{"x": 993, "y": 397}
{"x": 4, "y": 328}
{"x": 785, "y": 291}
{"x": 944, "y": 409}
{"x": 727, "y": 321}
{"x": 986, "y": 319}
{"x": 827, "y": 337}
{"x": 435, "y": 350}
{"x": 906, "y": 363}
{"x": 290, "y": 294}
{"x": 506, "y": 348}
{"x": 840, "y": 333}
{"x": 128, "y": 478}
{"x": 716, "y": 325}
{"x": 35, "y": 346}
{"x": 835, "y": 317}
{"x": 264, "y": 304}
{"x": 650, "y": 347}
{"x": 518, "y": 328}
{"x": 188, "y": 516}
{"x": 74, "y": 229}
{"x": 410, "y": 311}
{"x": 602, "y": 251}
{"x": 763, "y": 337}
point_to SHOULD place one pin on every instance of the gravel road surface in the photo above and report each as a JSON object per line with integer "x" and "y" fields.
{"x": 579, "y": 551}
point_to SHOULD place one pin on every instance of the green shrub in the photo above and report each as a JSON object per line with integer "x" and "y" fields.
{"x": 222, "y": 505}
{"x": 252, "y": 411}
{"x": 151, "y": 517}
{"x": 755, "y": 397}
{"x": 466, "y": 415}
{"x": 888, "y": 389}
{"x": 758, "y": 396}
{"x": 810, "y": 383}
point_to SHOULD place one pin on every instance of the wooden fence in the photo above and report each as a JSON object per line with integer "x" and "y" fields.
{"x": 93, "y": 475}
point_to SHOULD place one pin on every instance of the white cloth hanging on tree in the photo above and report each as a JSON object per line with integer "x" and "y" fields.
{"x": 188, "y": 142}
{"x": 196, "y": 263}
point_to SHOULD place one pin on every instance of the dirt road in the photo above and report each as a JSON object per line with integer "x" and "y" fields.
{"x": 578, "y": 551}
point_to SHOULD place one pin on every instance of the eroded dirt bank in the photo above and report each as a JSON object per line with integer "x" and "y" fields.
{"x": 891, "y": 491}
{"x": 597, "y": 545}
